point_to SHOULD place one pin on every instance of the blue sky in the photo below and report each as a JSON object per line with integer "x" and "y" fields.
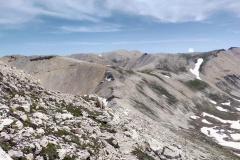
{"x": 31, "y": 27}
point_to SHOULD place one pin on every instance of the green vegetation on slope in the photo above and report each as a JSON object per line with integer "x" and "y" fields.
{"x": 196, "y": 85}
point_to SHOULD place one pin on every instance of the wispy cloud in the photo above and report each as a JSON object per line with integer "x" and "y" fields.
{"x": 162, "y": 41}
{"x": 67, "y": 43}
{"x": 23, "y": 11}
{"x": 117, "y": 42}
{"x": 95, "y": 28}
{"x": 233, "y": 31}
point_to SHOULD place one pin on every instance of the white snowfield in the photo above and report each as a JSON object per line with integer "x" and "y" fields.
{"x": 195, "y": 71}
{"x": 166, "y": 76}
{"x": 213, "y": 102}
{"x": 218, "y": 133}
{"x": 233, "y": 124}
{"x": 212, "y": 132}
{"x": 235, "y": 136}
{"x": 205, "y": 121}
{"x": 227, "y": 103}
{"x": 221, "y": 109}
{"x": 194, "y": 117}
{"x": 4, "y": 155}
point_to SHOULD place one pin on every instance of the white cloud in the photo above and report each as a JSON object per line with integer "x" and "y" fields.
{"x": 233, "y": 31}
{"x": 62, "y": 43}
{"x": 175, "y": 10}
{"x": 190, "y": 50}
{"x": 96, "y": 28}
{"x": 22, "y": 11}
{"x": 116, "y": 42}
{"x": 162, "y": 41}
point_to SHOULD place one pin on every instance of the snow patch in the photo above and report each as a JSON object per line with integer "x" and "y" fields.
{"x": 238, "y": 109}
{"x": 205, "y": 121}
{"x": 166, "y": 76}
{"x": 234, "y": 124}
{"x": 214, "y": 133}
{"x": 237, "y": 154}
{"x": 236, "y": 99}
{"x": 194, "y": 117}
{"x": 235, "y": 136}
{"x": 195, "y": 71}
{"x": 221, "y": 109}
{"x": 227, "y": 103}
{"x": 213, "y": 102}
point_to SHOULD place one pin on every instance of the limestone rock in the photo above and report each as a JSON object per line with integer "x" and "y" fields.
{"x": 83, "y": 155}
{"x": 40, "y": 131}
{"x": 29, "y": 156}
{"x": 5, "y": 136}
{"x": 15, "y": 153}
{"x": 44, "y": 142}
{"x": 18, "y": 125}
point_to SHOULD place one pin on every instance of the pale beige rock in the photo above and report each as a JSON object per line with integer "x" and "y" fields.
{"x": 29, "y": 156}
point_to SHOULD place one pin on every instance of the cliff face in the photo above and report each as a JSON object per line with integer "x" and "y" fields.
{"x": 160, "y": 106}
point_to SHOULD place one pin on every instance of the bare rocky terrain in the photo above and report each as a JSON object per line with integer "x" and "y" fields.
{"x": 121, "y": 105}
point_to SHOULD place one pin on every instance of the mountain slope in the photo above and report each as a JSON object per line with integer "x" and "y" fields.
{"x": 60, "y": 73}
{"x": 156, "y": 100}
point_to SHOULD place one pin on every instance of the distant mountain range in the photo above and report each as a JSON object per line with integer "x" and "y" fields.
{"x": 123, "y": 104}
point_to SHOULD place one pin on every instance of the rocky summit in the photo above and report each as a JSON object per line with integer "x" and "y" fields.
{"x": 124, "y": 105}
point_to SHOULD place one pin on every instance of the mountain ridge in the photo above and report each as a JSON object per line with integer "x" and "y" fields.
{"x": 163, "y": 91}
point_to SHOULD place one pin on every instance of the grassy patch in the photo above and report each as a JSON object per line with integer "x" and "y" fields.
{"x": 74, "y": 138}
{"x": 28, "y": 123}
{"x": 68, "y": 157}
{"x": 144, "y": 109}
{"x": 140, "y": 90}
{"x": 76, "y": 111}
{"x": 129, "y": 71}
{"x": 62, "y": 132}
{"x": 1, "y": 76}
{"x": 103, "y": 125}
{"x": 196, "y": 85}
{"x": 217, "y": 97}
{"x": 141, "y": 155}
{"x": 50, "y": 151}
{"x": 27, "y": 150}
{"x": 161, "y": 91}
{"x": 6, "y": 145}
{"x": 205, "y": 107}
